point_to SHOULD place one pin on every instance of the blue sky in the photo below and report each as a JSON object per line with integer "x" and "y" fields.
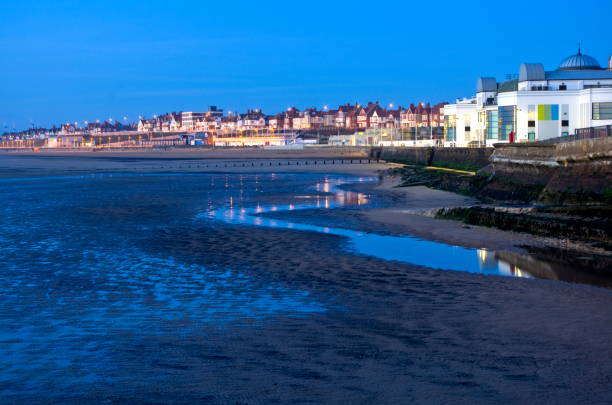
{"x": 85, "y": 60}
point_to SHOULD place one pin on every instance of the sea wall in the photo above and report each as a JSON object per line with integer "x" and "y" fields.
{"x": 572, "y": 172}
{"x": 458, "y": 158}
{"x": 475, "y": 158}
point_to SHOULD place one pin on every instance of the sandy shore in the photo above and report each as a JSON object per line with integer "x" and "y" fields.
{"x": 392, "y": 332}
{"x": 196, "y": 153}
{"x": 412, "y": 214}
{"x": 233, "y": 161}
{"x": 410, "y": 210}
{"x": 407, "y": 213}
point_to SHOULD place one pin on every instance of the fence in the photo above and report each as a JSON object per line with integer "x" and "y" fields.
{"x": 581, "y": 134}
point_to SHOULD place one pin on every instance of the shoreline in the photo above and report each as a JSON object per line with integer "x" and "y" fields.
{"x": 23, "y": 165}
{"x": 410, "y": 211}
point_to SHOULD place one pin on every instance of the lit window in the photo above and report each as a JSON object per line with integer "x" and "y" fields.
{"x": 602, "y": 111}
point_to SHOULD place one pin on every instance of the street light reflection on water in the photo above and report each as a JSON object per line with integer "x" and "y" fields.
{"x": 404, "y": 248}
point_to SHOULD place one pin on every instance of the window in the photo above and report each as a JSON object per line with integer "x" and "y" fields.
{"x": 467, "y": 129}
{"x": 450, "y": 134}
{"x": 506, "y": 121}
{"x": 564, "y": 133}
{"x": 565, "y": 123}
{"x": 531, "y": 136}
{"x": 450, "y": 127}
{"x": 492, "y": 125}
{"x": 531, "y": 124}
{"x": 563, "y": 86}
{"x": 602, "y": 111}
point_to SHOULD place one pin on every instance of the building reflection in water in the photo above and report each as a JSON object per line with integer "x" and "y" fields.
{"x": 400, "y": 248}
{"x": 488, "y": 260}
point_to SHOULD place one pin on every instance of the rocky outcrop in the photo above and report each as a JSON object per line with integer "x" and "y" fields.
{"x": 596, "y": 227}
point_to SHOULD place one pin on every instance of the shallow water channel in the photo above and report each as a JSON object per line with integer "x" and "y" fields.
{"x": 403, "y": 248}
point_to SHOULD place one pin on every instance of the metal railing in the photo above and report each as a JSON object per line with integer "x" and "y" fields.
{"x": 581, "y": 134}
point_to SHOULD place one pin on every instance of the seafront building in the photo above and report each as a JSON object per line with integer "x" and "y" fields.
{"x": 356, "y": 124}
{"x": 536, "y": 105}
{"x": 349, "y": 124}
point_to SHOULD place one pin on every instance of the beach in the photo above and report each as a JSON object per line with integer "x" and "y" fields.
{"x": 403, "y": 218}
{"x": 144, "y": 275}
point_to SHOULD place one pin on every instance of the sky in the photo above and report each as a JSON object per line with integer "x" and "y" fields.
{"x": 66, "y": 61}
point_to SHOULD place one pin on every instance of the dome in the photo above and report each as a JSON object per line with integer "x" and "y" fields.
{"x": 579, "y": 62}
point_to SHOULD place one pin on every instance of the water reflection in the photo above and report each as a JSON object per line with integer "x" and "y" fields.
{"x": 400, "y": 248}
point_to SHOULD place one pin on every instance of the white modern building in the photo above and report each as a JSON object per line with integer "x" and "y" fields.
{"x": 191, "y": 120}
{"x": 536, "y": 105}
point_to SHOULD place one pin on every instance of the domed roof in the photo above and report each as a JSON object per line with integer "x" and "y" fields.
{"x": 579, "y": 62}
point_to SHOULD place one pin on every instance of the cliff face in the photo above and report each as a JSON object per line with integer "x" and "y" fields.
{"x": 573, "y": 172}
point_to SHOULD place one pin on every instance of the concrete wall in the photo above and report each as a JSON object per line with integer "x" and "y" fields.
{"x": 471, "y": 157}
{"x": 572, "y": 172}
{"x": 417, "y": 156}
{"x": 560, "y": 154}
{"x": 468, "y": 158}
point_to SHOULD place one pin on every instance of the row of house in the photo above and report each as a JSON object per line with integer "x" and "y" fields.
{"x": 96, "y": 127}
{"x": 348, "y": 116}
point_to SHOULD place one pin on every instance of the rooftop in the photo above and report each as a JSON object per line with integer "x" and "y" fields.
{"x": 579, "y": 62}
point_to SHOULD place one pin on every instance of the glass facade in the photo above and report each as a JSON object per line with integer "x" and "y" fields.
{"x": 506, "y": 122}
{"x": 602, "y": 111}
{"x": 450, "y": 128}
{"x": 492, "y": 125}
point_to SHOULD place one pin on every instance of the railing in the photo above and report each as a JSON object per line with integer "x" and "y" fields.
{"x": 581, "y": 134}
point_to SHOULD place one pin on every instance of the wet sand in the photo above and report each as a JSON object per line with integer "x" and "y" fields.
{"x": 405, "y": 334}
{"x": 227, "y": 161}
{"x": 395, "y": 332}
{"x": 410, "y": 209}
{"x": 412, "y": 214}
